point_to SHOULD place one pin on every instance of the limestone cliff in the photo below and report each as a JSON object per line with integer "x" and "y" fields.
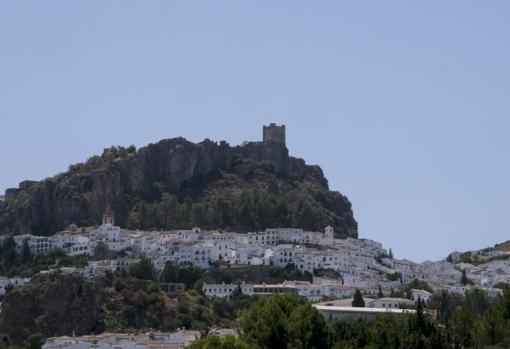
{"x": 203, "y": 178}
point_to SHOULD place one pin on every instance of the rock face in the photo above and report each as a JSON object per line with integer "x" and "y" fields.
{"x": 59, "y": 305}
{"x": 122, "y": 178}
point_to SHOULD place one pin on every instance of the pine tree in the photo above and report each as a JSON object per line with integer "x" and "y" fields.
{"x": 238, "y": 291}
{"x": 464, "y": 280}
{"x": 26, "y": 255}
{"x": 379, "y": 293}
{"x": 357, "y": 300}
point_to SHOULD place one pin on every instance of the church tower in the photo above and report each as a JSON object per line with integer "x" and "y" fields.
{"x": 328, "y": 233}
{"x": 108, "y": 217}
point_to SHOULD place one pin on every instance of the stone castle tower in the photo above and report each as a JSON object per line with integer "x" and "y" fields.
{"x": 274, "y": 134}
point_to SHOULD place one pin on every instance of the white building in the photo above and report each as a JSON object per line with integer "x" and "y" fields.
{"x": 37, "y": 244}
{"x": 95, "y": 268}
{"x": 80, "y": 248}
{"x": 390, "y": 303}
{"x": 66, "y": 239}
{"x": 226, "y": 290}
{"x": 334, "y": 313}
{"x": 302, "y": 288}
{"x": 423, "y": 295}
{"x": 13, "y": 282}
{"x": 249, "y": 255}
{"x": 176, "y": 340}
{"x": 200, "y": 254}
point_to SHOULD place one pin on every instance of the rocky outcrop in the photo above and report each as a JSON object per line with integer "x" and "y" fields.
{"x": 53, "y": 305}
{"x": 120, "y": 178}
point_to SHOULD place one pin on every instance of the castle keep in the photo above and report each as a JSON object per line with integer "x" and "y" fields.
{"x": 274, "y": 133}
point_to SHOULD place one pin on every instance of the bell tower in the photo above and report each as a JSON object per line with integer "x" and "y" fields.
{"x": 108, "y": 217}
{"x": 329, "y": 233}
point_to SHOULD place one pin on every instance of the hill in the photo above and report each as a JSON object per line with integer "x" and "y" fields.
{"x": 66, "y": 304}
{"x": 179, "y": 184}
{"x": 500, "y": 251}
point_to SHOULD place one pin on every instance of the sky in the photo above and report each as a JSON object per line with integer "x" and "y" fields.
{"x": 405, "y": 105}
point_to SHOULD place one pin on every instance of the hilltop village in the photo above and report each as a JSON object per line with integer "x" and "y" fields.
{"x": 337, "y": 274}
{"x": 335, "y": 267}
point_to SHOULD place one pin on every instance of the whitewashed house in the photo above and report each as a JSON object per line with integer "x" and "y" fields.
{"x": 12, "y": 282}
{"x": 37, "y": 244}
{"x": 423, "y": 295}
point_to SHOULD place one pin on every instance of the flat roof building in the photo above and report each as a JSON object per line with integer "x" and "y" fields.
{"x": 334, "y": 313}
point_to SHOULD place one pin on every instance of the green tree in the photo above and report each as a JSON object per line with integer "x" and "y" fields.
{"x": 238, "y": 292}
{"x": 305, "y": 215}
{"x": 465, "y": 328}
{"x": 387, "y": 331}
{"x": 357, "y": 299}
{"x": 476, "y": 300}
{"x": 169, "y": 211}
{"x": 143, "y": 270}
{"x": 265, "y": 324}
{"x": 102, "y": 251}
{"x": 215, "y": 342}
{"x": 445, "y": 303}
{"x": 379, "y": 292}
{"x": 26, "y": 254}
{"x": 200, "y": 214}
{"x": 189, "y": 275}
{"x": 9, "y": 253}
{"x": 246, "y": 213}
{"x": 420, "y": 321}
{"x": 351, "y": 333}
{"x": 186, "y": 212}
{"x": 169, "y": 273}
{"x": 464, "y": 279}
{"x": 494, "y": 327}
{"x": 222, "y": 212}
{"x": 308, "y": 329}
{"x": 419, "y": 285}
{"x": 34, "y": 341}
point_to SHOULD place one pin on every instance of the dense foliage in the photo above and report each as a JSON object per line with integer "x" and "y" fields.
{"x": 247, "y": 210}
{"x": 284, "y": 321}
{"x": 472, "y": 321}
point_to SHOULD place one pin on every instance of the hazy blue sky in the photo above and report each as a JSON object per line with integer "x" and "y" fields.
{"x": 404, "y": 104}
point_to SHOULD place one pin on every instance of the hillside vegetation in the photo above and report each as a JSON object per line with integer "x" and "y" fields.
{"x": 127, "y": 301}
{"x": 178, "y": 184}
